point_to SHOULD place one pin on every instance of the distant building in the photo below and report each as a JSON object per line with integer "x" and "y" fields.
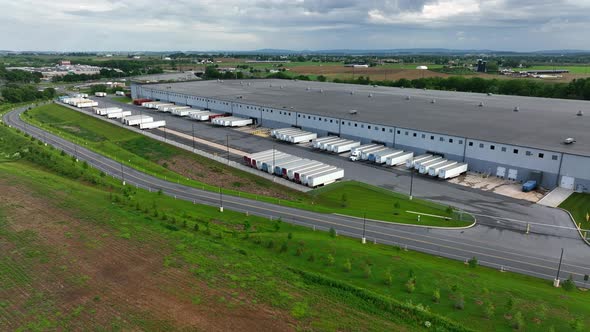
{"x": 65, "y": 63}
{"x": 481, "y": 66}
{"x": 355, "y": 65}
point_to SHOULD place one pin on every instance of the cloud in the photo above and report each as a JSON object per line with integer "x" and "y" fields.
{"x": 291, "y": 24}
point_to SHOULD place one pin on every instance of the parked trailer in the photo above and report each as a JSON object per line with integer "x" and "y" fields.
{"x": 275, "y": 132}
{"x": 232, "y": 121}
{"x": 275, "y": 156}
{"x": 161, "y": 107}
{"x": 269, "y": 164}
{"x": 100, "y": 94}
{"x": 183, "y": 111}
{"x": 254, "y": 161}
{"x": 140, "y": 101}
{"x": 118, "y": 115}
{"x": 411, "y": 162}
{"x": 306, "y": 177}
{"x": 328, "y": 145}
{"x": 248, "y": 158}
{"x": 203, "y": 116}
{"x": 325, "y": 178}
{"x": 373, "y": 156}
{"x": 399, "y": 159}
{"x": 355, "y": 153}
{"x": 174, "y": 109}
{"x": 452, "y": 171}
{"x": 107, "y": 110}
{"x": 120, "y": 93}
{"x": 381, "y": 158}
{"x": 316, "y": 143}
{"x": 370, "y": 153}
{"x": 303, "y": 137}
{"x": 291, "y": 172}
{"x": 345, "y": 147}
{"x": 298, "y": 176}
{"x": 427, "y": 160}
{"x": 152, "y": 125}
{"x": 280, "y": 161}
{"x": 434, "y": 170}
{"x": 152, "y": 104}
{"x": 134, "y": 120}
{"x": 85, "y": 104}
{"x": 279, "y": 168}
{"x": 426, "y": 166}
{"x": 297, "y": 165}
{"x": 283, "y": 134}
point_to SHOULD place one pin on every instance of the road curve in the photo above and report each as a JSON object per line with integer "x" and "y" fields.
{"x": 525, "y": 258}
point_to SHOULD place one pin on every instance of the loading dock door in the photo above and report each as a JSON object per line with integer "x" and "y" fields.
{"x": 512, "y": 174}
{"x": 567, "y": 182}
{"x": 501, "y": 172}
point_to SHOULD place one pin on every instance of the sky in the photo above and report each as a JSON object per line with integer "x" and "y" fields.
{"x": 185, "y": 25}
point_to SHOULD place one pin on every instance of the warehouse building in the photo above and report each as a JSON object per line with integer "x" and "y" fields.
{"x": 517, "y": 138}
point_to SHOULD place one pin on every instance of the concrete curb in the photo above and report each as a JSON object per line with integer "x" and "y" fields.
{"x": 411, "y": 225}
{"x": 576, "y": 225}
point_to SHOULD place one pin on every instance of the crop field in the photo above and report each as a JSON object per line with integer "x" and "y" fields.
{"x": 171, "y": 163}
{"x": 82, "y": 253}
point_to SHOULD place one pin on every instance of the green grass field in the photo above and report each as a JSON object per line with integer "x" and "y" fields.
{"x": 572, "y": 69}
{"x": 323, "y": 282}
{"x": 125, "y": 100}
{"x": 141, "y": 152}
{"x": 578, "y": 205}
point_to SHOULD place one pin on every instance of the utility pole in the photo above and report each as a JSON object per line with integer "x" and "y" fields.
{"x": 220, "y": 200}
{"x": 556, "y": 281}
{"x": 364, "y": 240}
{"x": 411, "y": 182}
{"x": 193, "y": 136}
{"x": 227, "y": 145}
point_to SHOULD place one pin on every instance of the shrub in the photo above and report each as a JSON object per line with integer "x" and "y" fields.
{"x": 290, "y": 236}
{"x": 277, "y": 225}
{"x": 270, "y": 244}
{"x": 367, "y": 271}
{"x": 436, "y": 296}
{"x": 332, "y": 232}
{"x": 449, "y": 210}
{"x": 396, "y": 205}
{"x": 472, "y": 262}
{"x": 388, "y": 279}
{"x": 196, "y": 227}
{"x": 518, "y": 322}
{"x": 410, "y": 285}
{"x": 160, "y": 192}
{"x": 569, "y": 284}
{"x": 247, "y": 225}
{"x": 330, "y": 260}
{"x": 284, "y": 247}
{"x": 347, "y": 266}
{"x": 577, "y": 324}
{"x": 184, "y": 224}
{"x": 460, "y": 302}
{"x": 311, "y": 257}
{"x": 541, "y": 311}
{"x": 344, "y": 200}
{"x": 510, "y": 303}
{"x": 489, "y": 311}
{"x": 299, "y": 251}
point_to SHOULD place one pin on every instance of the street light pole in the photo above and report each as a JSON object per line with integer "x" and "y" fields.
{"x": 220, "y": 200}
{"x": 556, "y": 281}
{"x": 411, "y": 182}
{"x": 364, "y": 240}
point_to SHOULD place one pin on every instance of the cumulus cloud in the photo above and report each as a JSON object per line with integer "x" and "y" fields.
{"x": 291, "y": 24}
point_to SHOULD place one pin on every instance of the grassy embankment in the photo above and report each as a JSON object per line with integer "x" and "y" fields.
{"x": 161, "y": 160}
{"x": 321, "y": 282}
{"x": 578, "y": 205}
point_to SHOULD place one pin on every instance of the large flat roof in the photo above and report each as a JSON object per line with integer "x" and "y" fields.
{"x": 541, "y": 123}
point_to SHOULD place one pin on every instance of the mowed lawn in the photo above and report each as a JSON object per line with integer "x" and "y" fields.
{"x": 578, "y": 205}
{"x": 147, "y": 155}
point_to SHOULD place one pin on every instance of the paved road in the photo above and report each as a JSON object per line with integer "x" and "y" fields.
{"x": 532, "y": 254}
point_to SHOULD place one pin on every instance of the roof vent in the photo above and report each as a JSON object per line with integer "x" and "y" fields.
{"x": 433, "y": 101}
{"x": 353, "y": 112}
{"x": 351, "y": 92}
{"x": 281, "y": 86}
{"x": 248, "y": 83}
{"x": 241, "y": 82}
{"x": 569, "y": 140}
{"x": 240, "y": 97}
{"x": 408, "y": 97}
{"x": 307, "y": 88}
{"x": 270, "y": 85}
{"x": 370, "y": 95}
{"x": 481, "y": 104}
{"x": 516, "y": 109}
{"x": 321, "y": 90}
{"x": 580, "y": 113}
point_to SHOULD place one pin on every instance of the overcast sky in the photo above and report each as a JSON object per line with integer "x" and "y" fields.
{"x": 156, "y": 25}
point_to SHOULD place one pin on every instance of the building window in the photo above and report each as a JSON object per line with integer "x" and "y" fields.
{"x": 450, "y": 140}
{"x": 319, "y": 119}
{"x": 325, "y": 120}
{"x": 529, "y": 153}
{"x": 503, "y": 149}
{"x": 383, "y": 129}
{"x": 391, "y": 130}
{"x": 441, "y": 139}
{"x": 407, "y": 133}
{"x": 492, "y": 147}
{"x": 399, "y": 132}
{"x": 460, "y": 141}
{"x": 481, "y": 145}
{"x": 342, "y": 122}
{"x": 355, "y": 125}
{"x": 432, "y": 138}
{"x": 541, "y": 155}
{"x": 376, "y": 128}
{"x": 415, "y": 134}
{"x": 298, "y": 115}
{"x": 554, "y": 157}
{"x": 309, "y": 116}
{"x": 470, "y": 143}
{"x": 362, "y": 126}
{"x": 349, "y": 123}
{"x": 330, "y": 121}
{"x": 423, "y": 135}
{"x": 369, "y": 127}
{"x": 515, "y": 151}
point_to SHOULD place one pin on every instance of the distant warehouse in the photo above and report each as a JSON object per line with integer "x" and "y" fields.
{"x": 512, "y": 137}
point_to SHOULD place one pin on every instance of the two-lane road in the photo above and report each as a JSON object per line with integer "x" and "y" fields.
{"x": 535, "y": 254}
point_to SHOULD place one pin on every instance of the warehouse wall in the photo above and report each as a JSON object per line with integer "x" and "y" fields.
{"x": 579, "y": 168}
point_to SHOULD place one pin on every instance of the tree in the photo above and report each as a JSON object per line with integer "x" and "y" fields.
{"x": 344, "y": 200}
{"x": 518, "y": 321}
{"x": 332, "y": 232}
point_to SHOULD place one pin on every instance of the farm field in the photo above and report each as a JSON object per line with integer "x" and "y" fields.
{"x": 172, "y": 163}
{"x": 572, "y": 69}
{"x": 119, "y": 258}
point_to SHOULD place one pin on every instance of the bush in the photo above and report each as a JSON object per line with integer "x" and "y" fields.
{"x": 299, "y": 251}
{"x": 436, "y": 296}
{"x": 196, "y": 227}
{"x": 510, "y": 303}
{"x": 367, "y": 271}
{"x": 569, "y": 284}
{"x": 290, "y": 236}
{"x": 410, "y": 285}
{"x": 311, "y": 257}
{"x": 347, "y": 266}
{"x": 270, "y": 244}
{"x": 388, "y": 279}
{"x": 489, "y": 311}
{"x": 518, "y": 322}
{"x": 330, "y": 260}
{"x": 577, "y": 324}
{"x": 284, "y": 247}
{"x": 460, "y": 302}
{"x": 472, "y": 262}
{"x": 332, "y": 232}
{"x": 396, "y": 205}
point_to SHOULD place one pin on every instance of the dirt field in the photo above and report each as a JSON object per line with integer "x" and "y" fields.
{"x": 63, "y": 273}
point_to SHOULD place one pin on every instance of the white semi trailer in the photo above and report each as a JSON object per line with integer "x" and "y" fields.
{"x": 452, "y": 171}
{"x": 355, "y": 153}
{"x": 152, "y": 125}
{"x": 381, "y": 158}
{"x": 411, "y": 162}
{"x": 306, "y": 176}
{"x": 291, "y": 172}
{"x": 425, "y": 167}
{"x": 118, "y": 115}
{"x": 427, "y": 160}
{"x": 134, "y": 120}
{"x": 399, "y": 159}
{"x": 345, "y": 147}
{"x": 325, "y": 178}
{"x": 434, "y": 170}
